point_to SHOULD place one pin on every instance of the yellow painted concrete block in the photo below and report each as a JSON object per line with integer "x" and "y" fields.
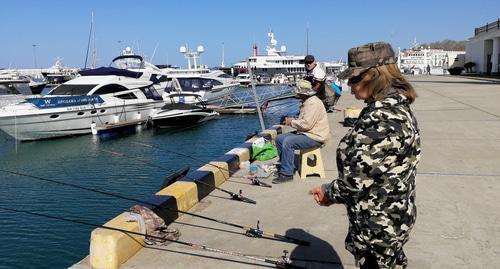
{"x": 109, "y": 249}
{"x": 273, "y": 133}
{"x": 186, "y": 194}
{"x": 243, "y": 153}
{"x": 220, "y": 174}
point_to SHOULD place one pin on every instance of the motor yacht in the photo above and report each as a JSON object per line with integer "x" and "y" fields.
{"x": 103, "y": 95}
{"x": 210, "y": 85}
{"x": 13, "y": 88}
{"x": 244, "y": 79}
{"x": 278, "y": 61}
{"x": 128, "y": 60}
{"x": 178, "y": 113}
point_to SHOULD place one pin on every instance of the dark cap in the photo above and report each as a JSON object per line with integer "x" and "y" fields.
{"x": 364, "y": 57}
{"x": 309, "y": 59}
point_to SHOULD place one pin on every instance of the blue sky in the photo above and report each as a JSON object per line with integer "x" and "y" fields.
{"x": 61, "y": 28}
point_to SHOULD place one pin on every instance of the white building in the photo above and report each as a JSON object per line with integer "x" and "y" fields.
{"x": 484, "y": 48}
{"x": 417, "y": 59}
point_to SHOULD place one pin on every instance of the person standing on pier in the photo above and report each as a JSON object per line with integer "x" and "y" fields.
{"x": 377, "y": 161}
{"x": 312, "y": 130}
{"x": 317, "y": 76}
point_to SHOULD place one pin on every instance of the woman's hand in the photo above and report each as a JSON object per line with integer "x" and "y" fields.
{"x": 320, "y": 197}
{"x": 288, "y": 121}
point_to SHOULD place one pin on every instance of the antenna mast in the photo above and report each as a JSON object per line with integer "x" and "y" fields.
{"x": 307, "y": 39}
{"x": 222, "y": 63}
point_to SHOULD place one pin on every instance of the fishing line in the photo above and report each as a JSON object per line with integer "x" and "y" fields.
{"x": 249, "y": 231}
{"x": 234, "y": 196}
{"x": 255, "y": 180}
{"x": 283, "y": 263}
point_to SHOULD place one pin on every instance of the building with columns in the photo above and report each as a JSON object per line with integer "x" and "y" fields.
{"x": 483, "y": 48}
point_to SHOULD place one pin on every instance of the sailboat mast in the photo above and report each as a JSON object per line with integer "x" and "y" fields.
{"x": 94, "y": 51}
{"x": 88, "y": 43}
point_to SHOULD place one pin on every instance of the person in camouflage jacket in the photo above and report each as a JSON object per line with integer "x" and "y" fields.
{"x": 377, "y": 161}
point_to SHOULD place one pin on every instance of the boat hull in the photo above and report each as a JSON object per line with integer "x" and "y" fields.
{"x": 52, "y": 123}
{"x": 182, "y": 118}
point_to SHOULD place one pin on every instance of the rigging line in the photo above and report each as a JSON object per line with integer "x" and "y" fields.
{"x": 234, "y": 196}
{"x": 252, "y": 232}
{"x": 278, "y": 263}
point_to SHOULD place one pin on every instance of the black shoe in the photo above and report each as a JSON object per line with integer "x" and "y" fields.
{"x": 282, "y": 179}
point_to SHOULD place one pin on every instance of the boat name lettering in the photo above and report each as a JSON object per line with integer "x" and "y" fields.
{"x": 53, "y": 102}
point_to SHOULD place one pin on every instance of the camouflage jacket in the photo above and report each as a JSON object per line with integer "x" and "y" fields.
{"x": 377, "y": 161}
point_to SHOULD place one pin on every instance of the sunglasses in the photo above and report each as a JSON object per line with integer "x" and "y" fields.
{"x": 358, "y": 78}
{"x": 309, "y": 62}
{"x": 355, "y": 79}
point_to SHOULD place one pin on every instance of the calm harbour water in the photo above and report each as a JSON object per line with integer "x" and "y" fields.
{"x": 33, "y": 242}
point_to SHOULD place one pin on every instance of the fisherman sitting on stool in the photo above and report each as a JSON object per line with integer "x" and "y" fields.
{"x": 312, "y": 130}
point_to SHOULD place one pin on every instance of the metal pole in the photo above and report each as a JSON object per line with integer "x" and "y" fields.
{"x": 34, "y": 54}
{"x": 255, "y": 96}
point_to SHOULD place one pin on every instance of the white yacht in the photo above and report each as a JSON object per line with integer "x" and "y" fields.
{"x": 277, "y": 62}
{"x": 244, "y": 79}
{"x": 128, "y": 60}
{"x": 211, "y": 85}
{"x": 103, "y": 95}
{"x": 181, "y": 114}
{"x": 13, "y": 88}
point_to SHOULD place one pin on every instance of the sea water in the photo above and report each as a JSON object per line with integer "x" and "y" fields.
{"x": 33, "y": 242}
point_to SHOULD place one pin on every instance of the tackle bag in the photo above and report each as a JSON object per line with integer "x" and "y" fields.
{"x": 263, "y": 150}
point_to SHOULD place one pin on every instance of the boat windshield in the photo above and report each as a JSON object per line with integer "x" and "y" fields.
{"x": 151, "y": 93}
{"x": 195, "y": 84}
{"x": 72, "y": 89}
{"x": 128, "y": 63}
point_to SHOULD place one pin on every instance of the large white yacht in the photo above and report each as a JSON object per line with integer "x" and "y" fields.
{"x": 102, "y": 96}
{"x": 277, "y": 63}
{"x": 211, "y": 85}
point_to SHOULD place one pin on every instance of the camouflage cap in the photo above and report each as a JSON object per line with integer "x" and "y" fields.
{"x": 364, "y": 57}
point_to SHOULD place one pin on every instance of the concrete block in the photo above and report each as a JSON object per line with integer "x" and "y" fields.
{"x": 109, "y": 249}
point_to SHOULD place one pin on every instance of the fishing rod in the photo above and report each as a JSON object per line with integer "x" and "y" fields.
{"x": 284, "y": 262}
{"x": 234, "y": 196}
{"x": 255, "y": 180}
{"x": 249, "y": 231}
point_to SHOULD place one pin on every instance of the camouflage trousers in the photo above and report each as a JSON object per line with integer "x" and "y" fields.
{"x": 383, "y": 243}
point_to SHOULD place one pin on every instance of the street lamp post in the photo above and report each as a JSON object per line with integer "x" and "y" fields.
{"x": 34, "y": 54}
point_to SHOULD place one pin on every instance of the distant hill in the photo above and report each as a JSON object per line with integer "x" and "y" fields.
{"x": 446, "y": 45}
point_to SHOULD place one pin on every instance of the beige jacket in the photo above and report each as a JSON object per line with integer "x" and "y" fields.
{"x": 313, "y": 120}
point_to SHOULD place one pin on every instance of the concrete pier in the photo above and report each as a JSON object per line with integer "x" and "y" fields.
{"x": 458, "y": 186}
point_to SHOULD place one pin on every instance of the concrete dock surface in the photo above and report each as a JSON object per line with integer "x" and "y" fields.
{"x": 458, "y": 186}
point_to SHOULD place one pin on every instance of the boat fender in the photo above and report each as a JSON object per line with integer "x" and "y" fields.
{"x": 93, "y": 128}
